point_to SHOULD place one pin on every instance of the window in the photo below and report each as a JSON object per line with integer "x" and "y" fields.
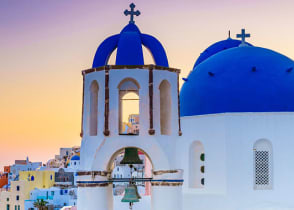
{"x": 17, "y": 197}
{"x": 7, "y": 199}
{"x": 165, "y": 108}
{"x": 51, "y": 177}
{"x": 18, "y": 208}
{"x": 129, "y": 107}
{"x": 7, "y": 207}
{"x": 93, "y": 108}
{"x": 52, "y": 193}
{"x": 15, "y": 207}
{"x": 17, "y": 188}
{"x": 196, "y": 164}
{"x": 32, "y": 178}
{"x": 263, "y": 164}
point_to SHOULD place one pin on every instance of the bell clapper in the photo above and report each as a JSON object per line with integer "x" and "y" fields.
{"x": 131, "y": 205}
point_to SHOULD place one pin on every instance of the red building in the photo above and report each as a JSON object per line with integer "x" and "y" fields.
{"x": 4, "y": 176}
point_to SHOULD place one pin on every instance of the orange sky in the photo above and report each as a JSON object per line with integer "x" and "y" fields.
{"x": 44, "y": 45}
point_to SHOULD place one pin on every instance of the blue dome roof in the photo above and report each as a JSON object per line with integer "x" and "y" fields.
{"x": 129, "y": 48}
{"x": 240, "y": 79}
{"x": 75, "y": 157}
{"x": 216, "y": 48}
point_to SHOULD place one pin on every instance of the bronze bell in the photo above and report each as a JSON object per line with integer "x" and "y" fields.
{"x": 131, "y": 156}
{"x": 131, "y": 194}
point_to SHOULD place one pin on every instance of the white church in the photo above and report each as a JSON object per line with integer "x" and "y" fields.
{"x": 225, "y": 141}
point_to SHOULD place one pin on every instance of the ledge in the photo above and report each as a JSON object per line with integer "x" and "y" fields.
{"x": 110, "y": 67}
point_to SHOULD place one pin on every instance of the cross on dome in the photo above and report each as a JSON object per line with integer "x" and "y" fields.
{"x": 243, "y": 36}
{"x": 132, "y": 12}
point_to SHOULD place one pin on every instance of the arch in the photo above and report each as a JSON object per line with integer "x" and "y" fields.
{"x": 156, "y": 49}
{"x": 134, "y": 86}
{"x": 116, "y": 153}
{"x": 196, "y": 165}
{"x": 129, "y": 107}
{"x": 165, "y": 107}
{"x": 111, "y": 147}
{"x": 93, "y": 118}
{"x": 105, "y": 50}
{"x": 263, "y": 164}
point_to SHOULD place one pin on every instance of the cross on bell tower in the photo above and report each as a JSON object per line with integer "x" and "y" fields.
{"x": 243, "y": 36}
{"x": 132, "y": 12}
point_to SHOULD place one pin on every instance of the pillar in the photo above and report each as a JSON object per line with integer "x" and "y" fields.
{"x": 94, "y": 191}
{"x": 166, "y": 190}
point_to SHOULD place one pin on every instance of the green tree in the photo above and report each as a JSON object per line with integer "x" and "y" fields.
{"x": 41, "y": 204}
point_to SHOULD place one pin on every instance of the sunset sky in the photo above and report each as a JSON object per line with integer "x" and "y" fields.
{"x": 44, "y": 45}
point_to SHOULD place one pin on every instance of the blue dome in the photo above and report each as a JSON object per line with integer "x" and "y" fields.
{"x": 216, "y": 48}
{"x": 240, "y": 79}
{"x": 129, "y": 48}
{"x": 75, "y": 157}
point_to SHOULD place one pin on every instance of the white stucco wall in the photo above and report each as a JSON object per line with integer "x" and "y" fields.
{"x": 228, "y": 140}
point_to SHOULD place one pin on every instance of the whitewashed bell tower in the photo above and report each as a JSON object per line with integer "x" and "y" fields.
{"x": 154, "y": 128}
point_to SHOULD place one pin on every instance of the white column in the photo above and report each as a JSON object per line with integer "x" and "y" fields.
{"x": 94, "y": 191}
{"x": 167, "y": 194}
{"x": 95, "y": 198}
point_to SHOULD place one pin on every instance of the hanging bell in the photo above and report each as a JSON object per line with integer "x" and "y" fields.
{"x": 131, "y": 194}
{"x": 131, "y": 157}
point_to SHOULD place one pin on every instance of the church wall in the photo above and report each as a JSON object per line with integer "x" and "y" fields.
{"x": 232, "y": 137}
{"x": 276, "y": 128}
{"x": 210, "y": 131}
{"x": 90, "y": 143}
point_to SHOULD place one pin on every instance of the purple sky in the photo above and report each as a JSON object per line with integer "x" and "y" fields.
{"x": 44, "y": 45}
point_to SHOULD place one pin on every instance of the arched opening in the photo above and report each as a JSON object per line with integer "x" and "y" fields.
{"x": 148, "y": 58}
{"x": 263, "y": 164}
{"x": 196, "y": 165}
{"x": 112, "y": 57}
{"x": 165, "y": 107}
{"x": 129, "y": 102}
{"x": 93, "y": 118}
{"x": 122, "y": 173}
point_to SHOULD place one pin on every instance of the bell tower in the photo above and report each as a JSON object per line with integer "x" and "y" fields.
{"x": 130, "y": 105}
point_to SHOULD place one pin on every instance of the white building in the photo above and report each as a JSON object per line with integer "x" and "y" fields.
{"x": 22, "y": 165}
{"x": 55, "y": 196}
{"x": 74, "y": 162}
{"x": 224, "y": 142}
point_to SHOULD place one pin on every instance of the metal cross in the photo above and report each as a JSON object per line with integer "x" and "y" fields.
{"x": 243, "y": 35}
{"x": 132, "y": 12}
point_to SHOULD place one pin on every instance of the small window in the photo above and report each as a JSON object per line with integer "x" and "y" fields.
{"x": 15, "y": 207}
{"x": 7, "y": 207}
{"x": 197, "y": 165}
{"x": 263, "y": 165}
{"x": 32, "y": 178}
{"x": 7, "y": 199}
{"x": 65, "y": 191}
{"x": 165, "y": 107}
{"x": 52, "y": 193}
{"x": 17, "y": 197}
{"x": 51, "y": 177}
{"x": 75, "y": 163}
{"x": 18, "y": 208}
{"x": 17, "y": 188}
{"x": 93, "y": 118}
